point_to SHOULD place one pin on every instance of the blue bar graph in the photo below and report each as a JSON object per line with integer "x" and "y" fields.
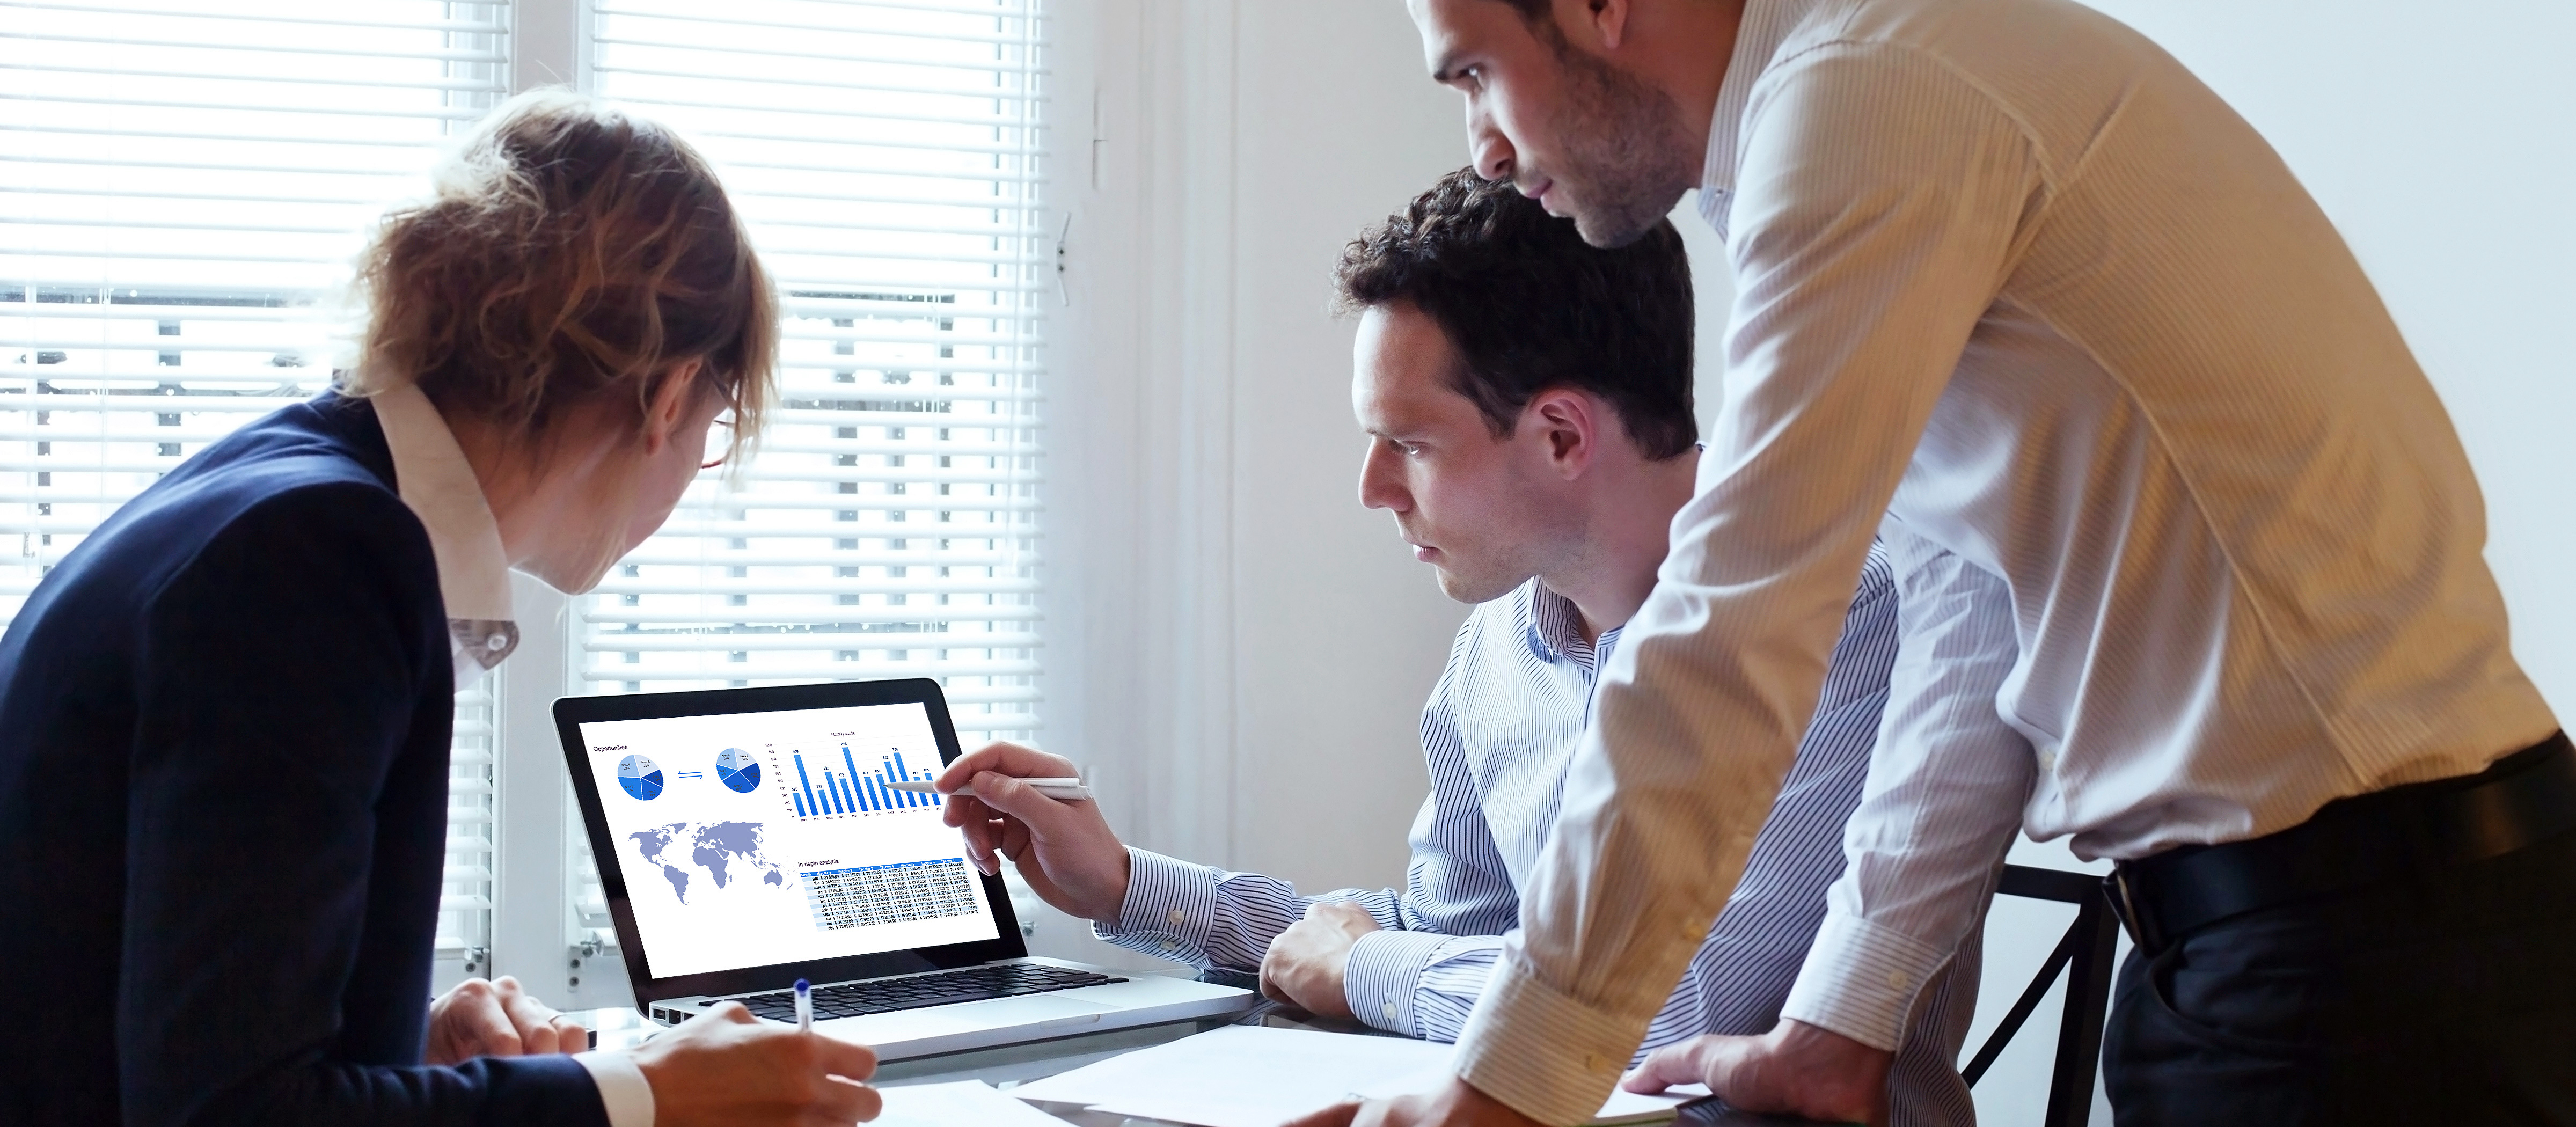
{"x": 810, "y": 804}
{"x": 858, "y": 792}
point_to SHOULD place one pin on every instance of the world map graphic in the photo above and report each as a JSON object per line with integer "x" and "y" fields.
{"x": 725, "y": 853}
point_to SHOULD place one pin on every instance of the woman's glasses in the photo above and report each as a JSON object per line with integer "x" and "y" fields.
{"x": 719, "y": 437}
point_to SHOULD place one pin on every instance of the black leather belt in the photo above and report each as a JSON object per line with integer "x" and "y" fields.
{"x": 2524, "y": 799}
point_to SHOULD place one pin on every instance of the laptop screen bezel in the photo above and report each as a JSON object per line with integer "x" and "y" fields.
{"x": 572, "y": 712}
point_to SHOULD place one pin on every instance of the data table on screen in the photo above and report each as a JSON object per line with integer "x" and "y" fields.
{"x": 886, "y": 894}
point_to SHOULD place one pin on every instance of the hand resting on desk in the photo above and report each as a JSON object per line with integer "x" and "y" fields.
{"x": 1065, "y": 850}
{"x": 479, "y": 1018}
{"x": 721, "y": 1069}
{"x": 1455, "y": 1103}
{"x": 1796, "y": 1068}
{"x": 1305, "y": 965}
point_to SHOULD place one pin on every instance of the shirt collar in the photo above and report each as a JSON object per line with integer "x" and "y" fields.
{"x": 1556, "y": 629}
{"x": 438, "y": 484}
{"x": 1767, "y": 24}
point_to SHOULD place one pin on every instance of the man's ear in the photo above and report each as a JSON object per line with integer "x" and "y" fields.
{"x": 1570, "y": 423}
{"x": 1609, "y": 20}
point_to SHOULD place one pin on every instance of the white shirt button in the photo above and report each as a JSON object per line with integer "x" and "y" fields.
{"x": 1170, "y": 943}
{"x": 1387, "y": 1007}
{"x": 2047, "y": 761}
{"x": 1178, "y": 917}
{"x": 1896, "y": 980}
{"x": 496, "y": 641}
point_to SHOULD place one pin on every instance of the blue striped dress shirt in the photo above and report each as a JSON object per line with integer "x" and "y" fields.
{"x": 1500, "y": 728}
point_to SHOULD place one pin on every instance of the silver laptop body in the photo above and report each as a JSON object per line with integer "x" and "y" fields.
{"x": 746, "y": 840}
{"x": 1116, "y": 1004}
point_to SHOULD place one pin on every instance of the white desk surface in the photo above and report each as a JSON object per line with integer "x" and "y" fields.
{"x": 1010, "y": 1065}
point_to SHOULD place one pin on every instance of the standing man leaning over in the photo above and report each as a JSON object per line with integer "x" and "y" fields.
{"x": 2012, "y": 276}
{"x": 1528, "y": 405}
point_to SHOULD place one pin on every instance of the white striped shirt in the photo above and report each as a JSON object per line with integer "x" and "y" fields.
{"x": 1500, "y": 727}
{"x": 2011, "y": 274}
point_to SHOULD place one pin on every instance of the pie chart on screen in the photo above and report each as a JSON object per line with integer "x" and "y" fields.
{"x": 640, "y": 776}
{"x": 737, "y": 771}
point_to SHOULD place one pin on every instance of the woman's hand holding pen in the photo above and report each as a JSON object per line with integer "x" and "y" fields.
{"x": 723, "y": 1068}
{"x": 1065, "y": 850}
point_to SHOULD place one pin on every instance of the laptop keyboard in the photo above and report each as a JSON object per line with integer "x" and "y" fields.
{"x": 945, "y": 988}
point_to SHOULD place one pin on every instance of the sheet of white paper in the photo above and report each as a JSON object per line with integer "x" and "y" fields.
{"x": 1252, "y": 1076}
{"x": 1631, "y": 1107}
{"x": 1246, "y": 1064}
{"x": 1623, "y": 1108}
{"x": 947, "y": 1105}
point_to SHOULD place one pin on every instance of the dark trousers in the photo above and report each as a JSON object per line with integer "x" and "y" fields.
{"x": 2445, "y": 999}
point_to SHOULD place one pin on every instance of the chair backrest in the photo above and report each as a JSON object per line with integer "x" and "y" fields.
{"x": 2085, "y": 955}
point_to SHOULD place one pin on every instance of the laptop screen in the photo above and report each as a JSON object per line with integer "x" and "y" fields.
{"x": 753, "y": 839}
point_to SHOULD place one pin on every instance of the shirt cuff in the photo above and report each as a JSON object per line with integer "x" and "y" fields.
{"x": 623, "y": 1091}
{"x": 1550, "y": 1057}
{"x": 1169, "y": 910}
{"x": 1385, "y": 968}
{"x": 1860, "y": 980}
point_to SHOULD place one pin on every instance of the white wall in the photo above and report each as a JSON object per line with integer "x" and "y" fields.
{"x": 1348, "y": 631}
{"x": 1241, "y": 649}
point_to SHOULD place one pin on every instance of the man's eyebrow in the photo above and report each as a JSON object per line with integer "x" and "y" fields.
{"x": 1446, "y": 70}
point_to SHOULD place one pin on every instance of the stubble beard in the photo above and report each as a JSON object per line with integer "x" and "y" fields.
{"x": 1474, "y": 589}
{"x": 1476, "y": 572}
{"x": 1623, "y": 141}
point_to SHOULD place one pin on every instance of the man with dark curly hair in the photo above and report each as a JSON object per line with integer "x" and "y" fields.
{"x": 1528, "y": 404}
{"x": 2190, "y": 556}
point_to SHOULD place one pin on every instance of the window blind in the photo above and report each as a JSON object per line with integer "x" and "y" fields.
{"x": 183, "y": 185}
{"x": 885, "y": 156}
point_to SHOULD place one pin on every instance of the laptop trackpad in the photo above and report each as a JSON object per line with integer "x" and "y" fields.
{"x": 998, "y": 1013}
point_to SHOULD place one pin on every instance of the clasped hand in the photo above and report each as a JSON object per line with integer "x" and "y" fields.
{"x": 496, "y": 1018}
{"x": 1306, "y": 964}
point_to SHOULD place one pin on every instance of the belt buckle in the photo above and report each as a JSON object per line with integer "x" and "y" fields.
{"x": 2124, "y": 904}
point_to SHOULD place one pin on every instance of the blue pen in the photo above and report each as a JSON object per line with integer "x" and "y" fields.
{"x": 804, "y": 1006}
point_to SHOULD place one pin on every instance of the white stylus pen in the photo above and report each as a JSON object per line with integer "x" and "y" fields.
{"x": 1061, "y": 790}
{"x": 804, "y": 1006}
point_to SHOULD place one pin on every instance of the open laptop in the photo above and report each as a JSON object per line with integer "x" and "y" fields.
{"x": 746, "y": 839}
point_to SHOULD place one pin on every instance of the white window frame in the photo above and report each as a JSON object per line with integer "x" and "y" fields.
{"x": 531, "y": 887}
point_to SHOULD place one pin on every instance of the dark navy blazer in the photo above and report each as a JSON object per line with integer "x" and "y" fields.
{"x": 223, "y": 806}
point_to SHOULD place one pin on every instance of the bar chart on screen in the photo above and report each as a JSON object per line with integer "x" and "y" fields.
{"x": 833, "y": 785}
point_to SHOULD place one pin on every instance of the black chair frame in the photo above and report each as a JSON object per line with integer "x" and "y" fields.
{"x": 2085, "y": 956}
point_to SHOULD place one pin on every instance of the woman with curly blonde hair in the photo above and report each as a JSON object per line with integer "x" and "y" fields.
{"x": 224, "y": 718}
